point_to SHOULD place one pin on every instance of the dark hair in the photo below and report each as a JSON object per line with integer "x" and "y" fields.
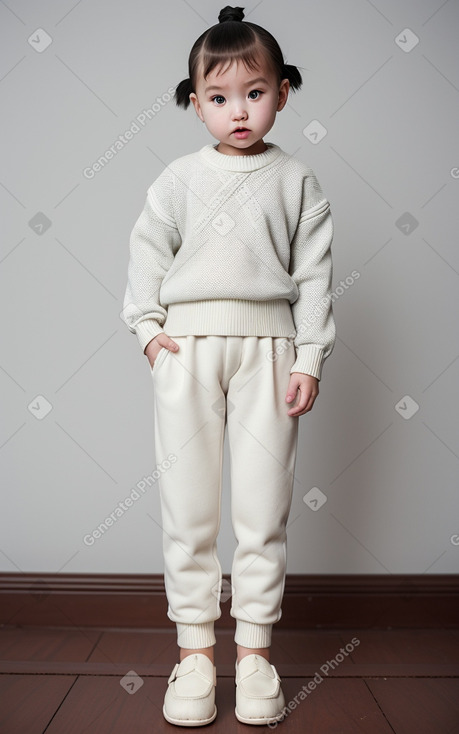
{"x": 231, "y": 39}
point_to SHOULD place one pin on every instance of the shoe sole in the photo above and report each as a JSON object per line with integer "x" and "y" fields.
{"x": 190, "y": 722}
{"x": 262, "y": 720}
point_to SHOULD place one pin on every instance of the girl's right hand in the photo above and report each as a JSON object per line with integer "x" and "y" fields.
{"x": 155, "y": 345}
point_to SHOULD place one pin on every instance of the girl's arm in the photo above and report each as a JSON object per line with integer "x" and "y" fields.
{"x": 311, "y": 268}
{"x": 153, "y": 244}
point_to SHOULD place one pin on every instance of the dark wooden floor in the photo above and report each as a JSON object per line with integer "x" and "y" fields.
{"x": 61, "y": 680}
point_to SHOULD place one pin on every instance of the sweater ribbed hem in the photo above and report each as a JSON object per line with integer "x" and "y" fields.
{"x": 252, "y": 635}
{"x": 230, "y": 317}
{"x": 235, "y": 317}
{"x": 195, "y": 636}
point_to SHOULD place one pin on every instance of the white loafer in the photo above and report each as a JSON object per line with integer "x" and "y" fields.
{"x": 190, "y": 696}
{"x": 259, "y": 697}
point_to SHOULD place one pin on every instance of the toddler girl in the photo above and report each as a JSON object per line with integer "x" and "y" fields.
{"x": 228, "y": 292}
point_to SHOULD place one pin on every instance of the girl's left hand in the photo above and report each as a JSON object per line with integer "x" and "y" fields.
{"x": 304, "y": 386}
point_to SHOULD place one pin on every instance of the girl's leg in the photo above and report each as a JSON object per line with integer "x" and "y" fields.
{"x": 208, "y": 651}
{"x": 263, "y": 444}
{"x": 189, "y": 436}
{"x": 243, "y": 651}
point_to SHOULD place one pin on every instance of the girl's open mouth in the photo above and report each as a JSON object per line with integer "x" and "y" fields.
{"x": 241, "y": 132}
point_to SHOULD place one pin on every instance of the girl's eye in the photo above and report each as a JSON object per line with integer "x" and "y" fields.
{"x": 219, "y": 96}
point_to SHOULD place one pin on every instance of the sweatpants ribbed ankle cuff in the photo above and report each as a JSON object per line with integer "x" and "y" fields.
{"x": 252, "y": 635}
{"x": 195, "y": 636}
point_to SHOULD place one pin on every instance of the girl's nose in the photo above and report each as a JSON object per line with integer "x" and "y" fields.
{"x": 239, "y": 111}
{"x": 239, "y": 114}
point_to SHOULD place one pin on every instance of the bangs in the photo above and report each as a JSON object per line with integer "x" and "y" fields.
{"x": 230, "y": 42}
{"x": 252, "y": 57}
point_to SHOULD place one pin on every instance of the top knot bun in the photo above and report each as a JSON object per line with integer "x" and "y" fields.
{"x": 229, "y": 13}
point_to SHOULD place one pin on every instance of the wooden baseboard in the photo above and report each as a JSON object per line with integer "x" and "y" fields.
{"x": 310, "y": 601}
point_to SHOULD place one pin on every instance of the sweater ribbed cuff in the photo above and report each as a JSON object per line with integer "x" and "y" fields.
{"x": 146, "y": 330}
{"x": 195, "y": 636}
{"x": 252, "y": 635}
{"x": 309, "y": 360}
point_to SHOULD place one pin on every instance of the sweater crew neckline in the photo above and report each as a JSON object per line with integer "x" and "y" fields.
{"x": 240, "y": 162}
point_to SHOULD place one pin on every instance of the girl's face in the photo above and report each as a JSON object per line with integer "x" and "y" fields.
{"x": 239, "y": 98}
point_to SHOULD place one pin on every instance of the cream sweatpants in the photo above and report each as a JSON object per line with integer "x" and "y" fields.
{"x": 213, "y": 382}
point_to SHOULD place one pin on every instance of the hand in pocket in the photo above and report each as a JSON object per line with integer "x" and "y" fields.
{"x": 155, "y": 345}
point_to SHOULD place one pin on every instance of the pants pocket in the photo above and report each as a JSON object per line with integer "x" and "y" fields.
{"x": 159, "y": 358}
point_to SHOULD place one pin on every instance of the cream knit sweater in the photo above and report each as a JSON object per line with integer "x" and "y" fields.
{"x": 235, "y": 245}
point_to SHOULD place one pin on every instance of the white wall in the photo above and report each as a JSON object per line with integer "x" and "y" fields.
{"x": 391, "y": 147}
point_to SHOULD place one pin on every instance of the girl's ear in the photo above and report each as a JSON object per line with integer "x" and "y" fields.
{"x": 283, "y": 94}
{"x": 197, "y": 106}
